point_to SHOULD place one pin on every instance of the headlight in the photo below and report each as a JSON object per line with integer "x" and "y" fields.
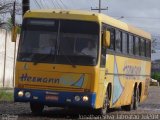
{"x": 20, "y": 93}
{"x": 77, "y": 98}
{"x": 85, "y": 98}
{"x": 27, "y": 94}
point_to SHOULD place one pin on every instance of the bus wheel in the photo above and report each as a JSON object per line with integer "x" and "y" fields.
{"x": 136, "y": 99}
{"x": 36, "y": 108}
{"x": 105, "y": 109}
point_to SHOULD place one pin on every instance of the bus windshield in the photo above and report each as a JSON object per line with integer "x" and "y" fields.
{"x": 59, "y": 42}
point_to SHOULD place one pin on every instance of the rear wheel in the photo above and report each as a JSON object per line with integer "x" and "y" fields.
{"x": 136, "y": 99}
{"x": 36, "y": 108}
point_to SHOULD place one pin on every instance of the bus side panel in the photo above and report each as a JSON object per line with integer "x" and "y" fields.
{"x": 123, "y": 73}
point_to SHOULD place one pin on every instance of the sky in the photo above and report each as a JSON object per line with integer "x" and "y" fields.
{"x": 144, "y": 14}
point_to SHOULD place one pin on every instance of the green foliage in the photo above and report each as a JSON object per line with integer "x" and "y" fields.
{"x": 9, "y": 24}
{"x": 19, "y": 30}
{"x": 156, "y": 76}
{"x": 6, "y": 95}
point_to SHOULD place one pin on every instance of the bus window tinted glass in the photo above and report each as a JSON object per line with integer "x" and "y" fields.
{"x": 137, "y": 47}
{"x": 124, "y": 42}
{"x": 38, "y": 38}
{"x": 112, "y": 43}
{"x": 118, "y": 41}
{"x": 131, "y": 44}
{"x": 59, "y": 41}
{"x": 148, "y": 48}
{"x": 142, "y": 47}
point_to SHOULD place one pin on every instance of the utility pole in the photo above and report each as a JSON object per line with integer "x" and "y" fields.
{"x": 100, "y": 8}
{"x": 25, "y": 6}
{"x": 13, "y": 14}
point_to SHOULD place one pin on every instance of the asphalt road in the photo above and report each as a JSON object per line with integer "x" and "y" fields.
{"x": 150, "y": 109}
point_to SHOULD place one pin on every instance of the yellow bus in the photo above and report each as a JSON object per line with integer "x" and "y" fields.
{"x": 81, "y": 59}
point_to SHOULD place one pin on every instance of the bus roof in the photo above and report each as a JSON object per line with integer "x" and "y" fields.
{"x": 87, "y": 15}
{"x": 124, "y": 26}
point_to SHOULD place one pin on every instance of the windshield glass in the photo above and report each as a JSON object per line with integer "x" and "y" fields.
{"x": 59, "y": 41}
{"x": 38, "y": 39}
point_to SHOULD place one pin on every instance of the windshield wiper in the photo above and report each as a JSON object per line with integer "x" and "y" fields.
{"x": 35, "y": 62}
{"x": 43, "y": 57}
{"x": 69, "y": 60}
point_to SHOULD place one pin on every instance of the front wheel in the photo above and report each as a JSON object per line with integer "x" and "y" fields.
{"x": 106, "y": 106}
{"x": 36, "y": 108}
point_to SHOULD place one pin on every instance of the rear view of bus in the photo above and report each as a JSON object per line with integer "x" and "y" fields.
{"x": 81, "y": 59}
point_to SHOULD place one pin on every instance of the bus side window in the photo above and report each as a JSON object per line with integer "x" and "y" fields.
{"x": 134, "y": 45}
{"x": 131, "y": 45}
{"x": 142, "y": 47}
{"x": 137, "y": 46}
{"x": 112, "y": 43}
{"x": 124, "y": 43}
{"x": 103, "y": 50}
{"x": 145, "y": 48}
{"x": 118, "y": 41}
{"x": 148, "y": 48}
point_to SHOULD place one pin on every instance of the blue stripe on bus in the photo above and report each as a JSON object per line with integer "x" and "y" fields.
{"x": 64, "y": 98}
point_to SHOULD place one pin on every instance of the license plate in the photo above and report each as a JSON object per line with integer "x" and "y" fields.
{"x": 51, "y": 97}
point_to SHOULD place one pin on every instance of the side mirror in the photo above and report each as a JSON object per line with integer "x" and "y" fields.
{"x": 106, "y": 38}
{"x": 14, "y": 33}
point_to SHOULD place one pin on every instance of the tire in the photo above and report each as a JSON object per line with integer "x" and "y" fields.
{"x": 136, "y": 99}
{"x": 36, "y": 108}
{"x": 105, "y": 109}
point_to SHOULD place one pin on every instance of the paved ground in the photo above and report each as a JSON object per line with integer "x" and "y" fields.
{"x": 150, "y": 109}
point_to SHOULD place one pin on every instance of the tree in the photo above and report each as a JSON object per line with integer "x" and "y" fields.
{"x": 154, "y": 44}
{"x": 9, "y": 24}
{"x": 6, "y": 10}
{"x": 5, "y": 7}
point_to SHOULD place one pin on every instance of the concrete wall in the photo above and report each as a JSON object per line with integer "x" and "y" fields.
{"x": 8, "y": 81}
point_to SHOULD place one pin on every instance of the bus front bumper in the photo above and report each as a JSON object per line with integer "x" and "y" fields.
{"x": 55, "y": 98}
